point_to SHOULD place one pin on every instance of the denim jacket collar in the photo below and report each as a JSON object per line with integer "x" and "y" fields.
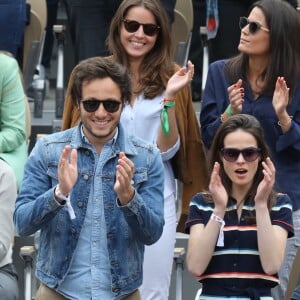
{"x": 122, "y": 143}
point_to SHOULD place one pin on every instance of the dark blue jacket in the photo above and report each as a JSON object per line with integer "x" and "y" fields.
{"x": 284, "y": 147}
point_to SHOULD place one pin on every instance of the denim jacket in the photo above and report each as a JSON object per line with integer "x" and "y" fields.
{"x": 129, "y": 227}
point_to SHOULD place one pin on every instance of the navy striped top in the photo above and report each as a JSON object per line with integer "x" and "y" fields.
{"x": 238, "y": 263}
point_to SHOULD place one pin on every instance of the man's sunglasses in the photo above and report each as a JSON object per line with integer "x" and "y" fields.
{"x": 253, "y": 26}
{"x": 133, "y": 26}
{"x": 91, "y": 105}
{"x": 232, "y": 154}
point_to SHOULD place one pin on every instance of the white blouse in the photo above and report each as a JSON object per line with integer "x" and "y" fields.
{"x": 143, "y": 120}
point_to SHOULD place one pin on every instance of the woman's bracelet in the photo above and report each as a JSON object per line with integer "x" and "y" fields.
{"x": 220, "y": 242}
{"x": 168, "y": 100}
{"x": 228, "y": 111}
{"x": 164, "y": 115}
{"x": 285, "y": 124}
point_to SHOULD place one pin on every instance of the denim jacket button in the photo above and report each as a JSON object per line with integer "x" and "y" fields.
{"x": 79, "y": 203}
{"x": 113, "y": 262}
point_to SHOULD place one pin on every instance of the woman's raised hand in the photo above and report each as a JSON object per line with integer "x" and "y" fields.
{"x": 217, "y": 189}
{"x": 179, "y": 80}
{"x": 236, "y": 97}
{"x": 280, "y": 96}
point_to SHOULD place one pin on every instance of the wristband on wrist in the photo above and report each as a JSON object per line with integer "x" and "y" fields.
{"x": 228, "y": 110}
{"x": 66, "y": 199}
{"x": 59, "y": 194}
{"x": 164, "y": 116}
{"x": 285, "y": 124}
{"x": 220, "y": 242}
{"x": 168, "y": 100}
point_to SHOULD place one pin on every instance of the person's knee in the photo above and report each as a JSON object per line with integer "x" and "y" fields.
{"x": 8, "y": 287}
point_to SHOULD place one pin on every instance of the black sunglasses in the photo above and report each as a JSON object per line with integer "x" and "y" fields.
{"x": 91, "y": 105}
{"x": 253, "y": 26}
{"x": 232, "y": 154}
{"x": 133, "y": 26}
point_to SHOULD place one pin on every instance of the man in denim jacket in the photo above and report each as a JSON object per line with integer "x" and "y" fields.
{"x": 95, "y": 194}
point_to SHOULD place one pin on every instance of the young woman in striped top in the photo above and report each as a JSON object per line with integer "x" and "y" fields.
{"x": 238, "y": 229}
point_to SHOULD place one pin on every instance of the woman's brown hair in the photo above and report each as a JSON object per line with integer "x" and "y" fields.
{"x": 252, "y": 126}
{"x": 284, "y": 58}
{"x": 157, "y": 66}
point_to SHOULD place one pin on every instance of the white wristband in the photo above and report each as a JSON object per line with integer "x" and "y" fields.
{"x": 220, "y": 242}
{"x": 68, "y": 202}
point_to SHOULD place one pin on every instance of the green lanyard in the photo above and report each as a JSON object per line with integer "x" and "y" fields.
{"x": 164, "y": 117}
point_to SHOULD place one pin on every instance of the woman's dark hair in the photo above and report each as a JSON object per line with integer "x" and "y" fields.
{"x": 252, "y": 126}
{"x": 99, "y": 67}
{"x": 157, "y": 67}
{"x": 284, "y": 58}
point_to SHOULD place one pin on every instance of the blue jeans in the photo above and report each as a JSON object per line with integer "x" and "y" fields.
{"x": 12, "y": 24}
{"x": 8, "y": 283}
{"x": 278, "y": 292}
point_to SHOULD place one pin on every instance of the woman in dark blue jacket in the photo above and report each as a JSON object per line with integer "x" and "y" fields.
{"x": 264, "y": 81}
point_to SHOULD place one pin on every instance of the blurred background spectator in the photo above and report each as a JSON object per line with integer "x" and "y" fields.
{"x": 13, "y": 20}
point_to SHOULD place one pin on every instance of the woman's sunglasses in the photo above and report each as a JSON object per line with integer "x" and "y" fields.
{"x": 253, "y": 26}
{"x": 92, "y": 105}
{"x": 232, "y": 154}
{"x": 133, "y": 26}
